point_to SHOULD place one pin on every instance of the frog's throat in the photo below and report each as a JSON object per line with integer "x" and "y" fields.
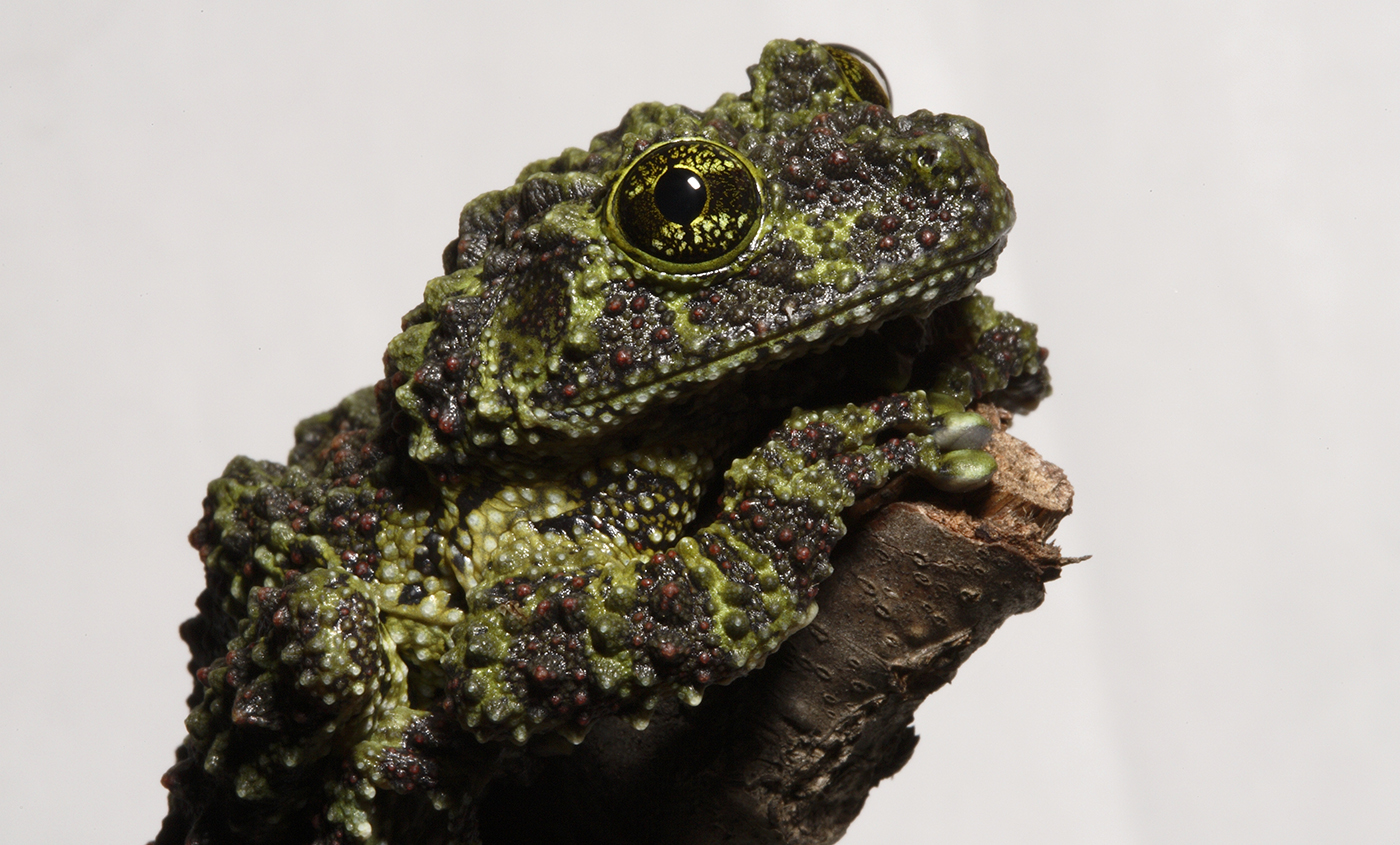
{"x": 916, "y": 294}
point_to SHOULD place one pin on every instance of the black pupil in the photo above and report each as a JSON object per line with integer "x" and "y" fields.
{"x": 680, "y": 195}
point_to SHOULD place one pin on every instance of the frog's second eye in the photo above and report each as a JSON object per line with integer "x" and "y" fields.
{"x": 686, "y": 206}
{"x": 862, "y": 76}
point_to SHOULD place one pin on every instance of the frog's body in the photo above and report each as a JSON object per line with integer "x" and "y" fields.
{"x": 514, "y": 532}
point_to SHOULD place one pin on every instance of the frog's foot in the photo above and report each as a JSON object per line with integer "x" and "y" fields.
{"x": 950, "y": 455}
{"x": 306, "y": 672}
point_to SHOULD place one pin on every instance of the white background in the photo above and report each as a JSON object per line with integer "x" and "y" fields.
{"x": 214, "y": 216}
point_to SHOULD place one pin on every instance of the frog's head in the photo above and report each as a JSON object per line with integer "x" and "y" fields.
{"x": 683, "y": 249}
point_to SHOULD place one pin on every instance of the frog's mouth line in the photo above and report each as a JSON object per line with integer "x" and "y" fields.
{"x": 817, "y": 334}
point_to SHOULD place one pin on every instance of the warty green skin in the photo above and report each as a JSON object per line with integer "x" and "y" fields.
{"x": 513, "y": 533}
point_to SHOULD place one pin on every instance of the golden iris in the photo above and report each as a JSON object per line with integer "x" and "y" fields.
{"x": 690, "y": 205}
{"x": 862, "y": 76}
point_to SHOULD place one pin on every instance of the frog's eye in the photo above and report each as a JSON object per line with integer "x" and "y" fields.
{"x": 862, "y": 76}
{"x": 686, "y": 206}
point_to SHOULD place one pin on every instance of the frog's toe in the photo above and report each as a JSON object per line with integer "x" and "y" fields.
{"x": 955, "y": 471}
{"x": 959, "y": 430}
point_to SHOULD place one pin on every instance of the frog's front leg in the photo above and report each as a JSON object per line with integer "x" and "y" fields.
{"x": 610, "y": 635}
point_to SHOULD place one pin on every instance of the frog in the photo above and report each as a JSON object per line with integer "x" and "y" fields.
{"x": 609, "y": 457}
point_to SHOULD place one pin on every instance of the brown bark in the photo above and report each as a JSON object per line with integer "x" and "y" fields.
{"x": 789, "y": 753}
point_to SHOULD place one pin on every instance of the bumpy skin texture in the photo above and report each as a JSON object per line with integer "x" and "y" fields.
{"x": 515, "y": 532}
